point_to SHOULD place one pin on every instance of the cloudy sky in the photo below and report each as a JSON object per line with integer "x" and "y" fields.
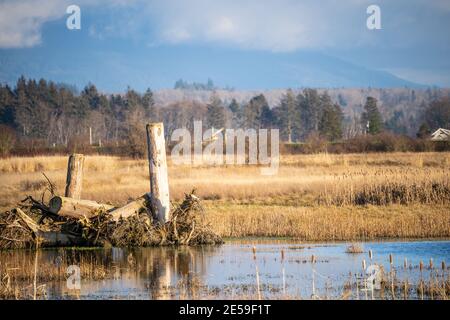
{"x": 159, "y": 41}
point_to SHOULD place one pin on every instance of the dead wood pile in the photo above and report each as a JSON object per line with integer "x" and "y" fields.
{"x": 33, "y": 224}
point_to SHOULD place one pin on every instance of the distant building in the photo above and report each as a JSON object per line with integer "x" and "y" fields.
{"x": 441, "y": 135}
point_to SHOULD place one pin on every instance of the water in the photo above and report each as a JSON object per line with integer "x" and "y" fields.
{"x": 230, "y": 271}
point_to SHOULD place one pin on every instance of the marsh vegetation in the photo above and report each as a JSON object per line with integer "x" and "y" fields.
{"x": 313, "y": 197}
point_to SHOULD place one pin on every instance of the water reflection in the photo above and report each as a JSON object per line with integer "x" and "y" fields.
{"x": 284, "y": 269}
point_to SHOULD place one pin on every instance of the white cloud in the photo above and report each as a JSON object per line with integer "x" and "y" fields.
{"x": 288, "y": 25}
{"x": 281, "y": 25}
{"x": 21, "y": 21}
{"x": 275, "y": 25}
{"x": 425, "y": 76}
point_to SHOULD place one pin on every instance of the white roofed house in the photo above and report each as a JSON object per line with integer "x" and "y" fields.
{"x": 441, "y": 135}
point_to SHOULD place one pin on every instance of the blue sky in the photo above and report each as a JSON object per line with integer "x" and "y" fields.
{"x": 246, "y": 44}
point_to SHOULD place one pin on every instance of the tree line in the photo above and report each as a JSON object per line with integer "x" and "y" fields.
{"x": 38, "y": 114}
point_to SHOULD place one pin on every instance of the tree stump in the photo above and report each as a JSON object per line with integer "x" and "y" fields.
{"x": 74, "y": 179}
{"x": 159, "y": 183}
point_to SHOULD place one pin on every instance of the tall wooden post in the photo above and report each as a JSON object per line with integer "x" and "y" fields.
{"x": 74, "y": 179}
{"x": 159, "y": 183}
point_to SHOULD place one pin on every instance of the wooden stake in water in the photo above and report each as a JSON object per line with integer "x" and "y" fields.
{"x": 257, "y": 273}
{"x": 257, "y": 282}
{"x": 283, "y": 272}
{"x": 391, "y": 262}
{"x": 421, "y": 279}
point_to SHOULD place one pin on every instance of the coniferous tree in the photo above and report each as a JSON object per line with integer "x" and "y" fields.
{"x": 236, "y": 113}
{"x": 330, "y": 125}
{"x": 424, "y": 131}
{"x": 310, "y": 110}
{"x": 437, "y": 115}
{"x": 215, "y": 115}
{"x": 371, "y": 117}
{"x": 288, "y": 116}
{"x": 148, "y": 103}
{"x": 253, "y": 112}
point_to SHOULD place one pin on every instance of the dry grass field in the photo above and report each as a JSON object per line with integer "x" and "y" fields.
{"x": 313, "y": 197}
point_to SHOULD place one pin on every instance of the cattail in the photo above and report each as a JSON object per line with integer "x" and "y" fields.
{"x": 391, "y": 258}
{"x": 370, "y": 254}
{"x": 431, "y": 263}
{"x": 254, "y": 252}
{"x": 443, "y": 265}
{"x": 405, "y": 264}
{"x": 282, "y": 255}
{"x": 421, "y": 265}
{"x": 313, "y": 259}
{"x": 364, "y": 264}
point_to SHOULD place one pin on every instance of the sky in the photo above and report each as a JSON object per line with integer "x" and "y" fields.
{"x": 246, "y": 44}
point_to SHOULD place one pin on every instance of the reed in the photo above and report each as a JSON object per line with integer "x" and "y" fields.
{"x": 313, "y": 197}
{"x": 329, "y": 223}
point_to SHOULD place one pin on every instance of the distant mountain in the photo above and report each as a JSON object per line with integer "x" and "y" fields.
{"x": 114, "y": 71}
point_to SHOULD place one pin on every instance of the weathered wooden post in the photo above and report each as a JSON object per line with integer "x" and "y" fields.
{"x": 159, "y": 183}
{"x": 74, "y": 179}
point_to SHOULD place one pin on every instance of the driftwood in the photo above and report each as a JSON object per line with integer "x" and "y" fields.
{"x": 132, "y": 208}
{"x": 69, "y": 207}
{"x": 58, "y": 239}
{"x": 48, "y": 238}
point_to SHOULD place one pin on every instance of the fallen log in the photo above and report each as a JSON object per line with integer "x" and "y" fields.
{"x": 132, "y": 208}
{"x": 74, "y": 208}
{"x": 33, "y": 226}
{"x": 46, "y": 238}
{"x": 58, "y": 239}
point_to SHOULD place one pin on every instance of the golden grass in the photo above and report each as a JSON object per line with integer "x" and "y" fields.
{"x": 324, "y": 190}
{"x": 331, "y": 223}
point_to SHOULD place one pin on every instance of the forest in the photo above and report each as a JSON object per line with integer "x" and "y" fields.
{"x": 39, "y": 116}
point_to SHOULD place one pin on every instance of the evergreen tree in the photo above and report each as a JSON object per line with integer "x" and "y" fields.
{"x": 288, "y": 116}
{"x": 437, "y": 115}
{"x": 424, "y": 131}
{"x": 253, "y": 112}
{"x": 236, "y": 113}
{"x": 310, "y": 110}
{"x": 234, "y": 106}
{"x": 149, "y": 105}
{"x": 371, "y": 117}
{"x": 215, "y": 114}
{"x": 91, "y": 94}
{"x": 330, "y": 125}
{"x": 6, "y": 105}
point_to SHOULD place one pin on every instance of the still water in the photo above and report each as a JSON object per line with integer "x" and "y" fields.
{"x": 275, "y": 270}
